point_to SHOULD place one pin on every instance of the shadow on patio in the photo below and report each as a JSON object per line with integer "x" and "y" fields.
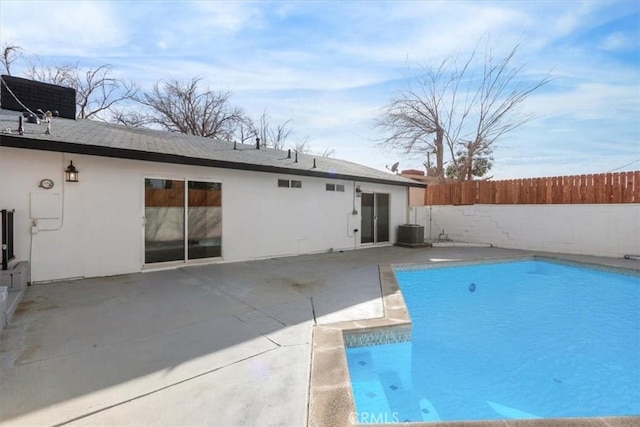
{"x": 216, "y": 344}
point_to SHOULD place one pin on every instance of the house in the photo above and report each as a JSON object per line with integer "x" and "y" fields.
{"x": 97, "y": 199}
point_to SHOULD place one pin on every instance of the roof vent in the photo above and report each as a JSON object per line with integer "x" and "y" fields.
{"x": 31, "y": 118}
{"x": 37, "y": 96}
{"x": 257, "y": 143}
{"x": 314, "y": 163}
{"x": 289, "y": 154}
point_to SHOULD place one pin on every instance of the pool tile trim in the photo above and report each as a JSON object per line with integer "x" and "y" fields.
{"x": 504, "y": 260}
{"x": 330, "y": 397}
{"x": 369, "y": 337}
{"x": 331, "y": 400}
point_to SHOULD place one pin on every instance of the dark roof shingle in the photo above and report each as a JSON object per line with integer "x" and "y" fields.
{"x": 108, "y": 139}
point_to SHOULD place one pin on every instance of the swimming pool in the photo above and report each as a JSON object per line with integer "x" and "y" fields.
{"x": 522, "y": 339}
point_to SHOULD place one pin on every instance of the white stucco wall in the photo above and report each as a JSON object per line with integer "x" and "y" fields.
{"x": 98, "y": 228}
{"x": 611, "y": 230}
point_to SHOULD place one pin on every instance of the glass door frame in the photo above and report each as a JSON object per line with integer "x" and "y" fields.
{"x": 185, "y": 214}
{"x": 374, "y": 218}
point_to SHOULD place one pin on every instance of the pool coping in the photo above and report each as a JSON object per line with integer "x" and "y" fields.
{"x": 331, "y": 401}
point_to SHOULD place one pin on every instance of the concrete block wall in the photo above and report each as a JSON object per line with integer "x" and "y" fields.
{"x": 611, "y": 230}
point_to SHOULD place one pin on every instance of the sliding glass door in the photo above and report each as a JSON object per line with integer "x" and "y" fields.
{"x": 382, "y": 217}
{"x": 179, "y": 225}
{"x": 204, "y": 220}
{"x": 375, "y": 218}
{"x": 367, "y": 226}
{"x": 164, "y": 220}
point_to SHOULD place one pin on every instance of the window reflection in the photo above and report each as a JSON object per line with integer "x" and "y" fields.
{"x": 164, "y": 220}
{"x": 204, "y": 220}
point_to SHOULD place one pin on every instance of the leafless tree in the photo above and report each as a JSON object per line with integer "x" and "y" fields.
{"x": 186, "y": 108}
{"x": 458, "y": 110}
{"x": 97, "y": 91}
{"x": 129, "y": 118}
{"x": 302, "y": 146}
{"x": 328, "y": 152}
{"x": 278, "y": 137}
{"x": 10, "y": 53}
{"x": 279, "y": 134}
{"x": 190, "y": 109}
{"x": 270, "y": 135}
{"x": 245, "y": 130}
{"x": 54, "y": 74}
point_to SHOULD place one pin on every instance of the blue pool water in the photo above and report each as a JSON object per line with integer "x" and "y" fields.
{"x": 526, "y": 339}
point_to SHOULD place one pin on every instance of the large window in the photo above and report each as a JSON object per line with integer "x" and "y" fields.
{"x": 182, "y": 225}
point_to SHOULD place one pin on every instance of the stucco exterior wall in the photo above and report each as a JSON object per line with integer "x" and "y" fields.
{"x": 611, "y": 230}
{"x": 95, "y": 227}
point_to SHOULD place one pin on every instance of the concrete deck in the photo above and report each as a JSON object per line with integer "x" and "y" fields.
{"x": 221, "y": 344}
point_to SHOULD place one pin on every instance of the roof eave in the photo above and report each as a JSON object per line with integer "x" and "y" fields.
{"x": 123, "y": 153}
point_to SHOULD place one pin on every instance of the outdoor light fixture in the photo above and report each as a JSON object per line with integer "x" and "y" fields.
{"x": 358, "y": 191}
{"x": 71, "y": 173}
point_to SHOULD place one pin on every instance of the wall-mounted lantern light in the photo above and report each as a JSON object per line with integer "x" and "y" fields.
{"x": 358, "y": 191}
{"x": 71, "y": 173}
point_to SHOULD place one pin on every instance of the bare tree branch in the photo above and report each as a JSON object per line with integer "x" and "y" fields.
{"x": 302, "y": 146}
{"x": 96, "y": 90}
{"x": 129, "y": 118}
{"x": 328, "y": 152}
{"x": 185, "y": 108}
{"x": 10, "y": 53}
{"x": 245, "y": 130}
{"x": 456, "y": 109}
{"x": 188, "y": 108}
{"x": 270, "y": 136}
{"x": 57, "y": 75}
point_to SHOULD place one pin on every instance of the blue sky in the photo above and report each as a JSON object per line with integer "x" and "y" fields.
{"x": 329, "y": 66}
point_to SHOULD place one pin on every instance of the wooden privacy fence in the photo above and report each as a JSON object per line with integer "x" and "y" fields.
{"x": 623, "y": 187}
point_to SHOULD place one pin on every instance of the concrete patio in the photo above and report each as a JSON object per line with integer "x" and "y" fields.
{"x": 218, "y": 344}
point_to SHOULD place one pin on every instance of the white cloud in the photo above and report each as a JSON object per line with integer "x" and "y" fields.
{"x": 62, "y": 27}
{"x": 227, "y": 16}
{"x": 419, "y": 31}
{"x": 616, "y": 42}
{"x": 329, "y": 65}
{"x": 257, "y": 73}
{"x": 589, "y": 101}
